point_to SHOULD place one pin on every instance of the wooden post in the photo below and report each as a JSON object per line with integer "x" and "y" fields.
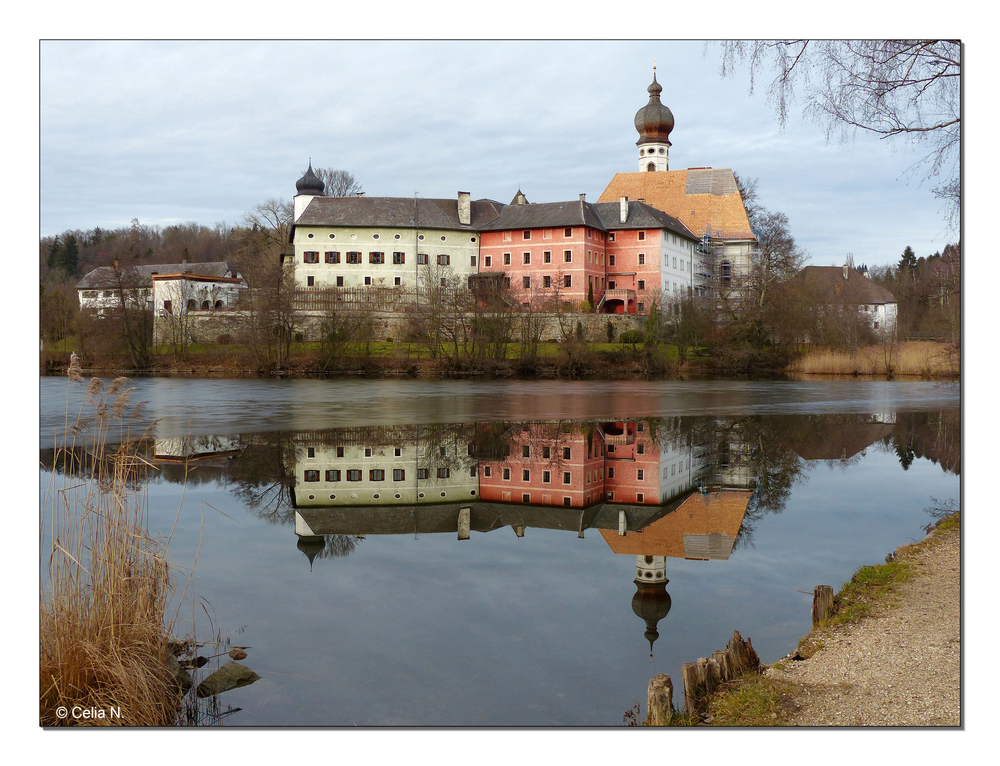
{"x": 660, "y": 700}
{"x": 703, "y": 677}
{"x": 822, "y": 604}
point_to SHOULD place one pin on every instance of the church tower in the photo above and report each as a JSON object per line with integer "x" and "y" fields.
{"x": 307, "y": 187}
{"x": 654, "y": 123}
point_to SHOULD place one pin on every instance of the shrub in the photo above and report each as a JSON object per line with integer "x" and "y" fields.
{"x": 631, "y": 336}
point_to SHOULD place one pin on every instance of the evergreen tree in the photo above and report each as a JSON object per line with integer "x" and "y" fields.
{"x": 908, "y": 262}
{"x": 70, "y": 259}
{"x": 55, "y": 253}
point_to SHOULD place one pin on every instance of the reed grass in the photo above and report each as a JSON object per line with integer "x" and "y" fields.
{"x": 105, "y": 583}
{"x": 922, "y": 359}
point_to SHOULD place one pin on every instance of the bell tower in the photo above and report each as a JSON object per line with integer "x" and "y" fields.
{"x": 654, "y": 123}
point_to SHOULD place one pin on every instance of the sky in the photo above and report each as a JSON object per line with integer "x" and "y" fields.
{"x": 171, "y": 132}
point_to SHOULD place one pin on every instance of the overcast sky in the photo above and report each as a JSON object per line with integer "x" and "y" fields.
{"x": 172, "y": 132}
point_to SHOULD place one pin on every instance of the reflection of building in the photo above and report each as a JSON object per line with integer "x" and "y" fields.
{"x": 188, "y": 448}
{"x": 397, "y": 467}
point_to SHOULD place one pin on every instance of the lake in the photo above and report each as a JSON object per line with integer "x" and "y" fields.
{"x": 515, "y": 553}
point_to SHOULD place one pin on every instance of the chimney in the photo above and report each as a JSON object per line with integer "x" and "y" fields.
{"x": 583, "y": 198}
{"x": 464, "y": 208}
{"x": 624, "y": 209}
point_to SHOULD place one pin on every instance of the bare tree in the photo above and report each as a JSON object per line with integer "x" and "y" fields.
{"x": 338, "y": 183}
{"x": 909, "y": 89}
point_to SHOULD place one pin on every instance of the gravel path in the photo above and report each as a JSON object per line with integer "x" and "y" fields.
{"x": 901, "y": 666}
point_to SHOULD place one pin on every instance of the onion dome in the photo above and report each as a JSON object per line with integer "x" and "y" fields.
{"x": 654, "y": 121}
{"x": 310, "y": 183}
{"x": 651, "y": 603}
{"x": 312, "y": 546}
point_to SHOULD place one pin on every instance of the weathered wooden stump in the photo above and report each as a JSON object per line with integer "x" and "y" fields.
{"x": 703, "y": 677}
{"x": 822, "y": 604}
{"x": 660, "y": 700}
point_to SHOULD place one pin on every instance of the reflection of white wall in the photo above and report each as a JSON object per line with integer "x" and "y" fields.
{"x": 411, "y": 474}
{"x": 195, "y": 446}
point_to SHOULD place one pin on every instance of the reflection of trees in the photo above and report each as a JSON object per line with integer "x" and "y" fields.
{"x": 260, "y": 477}
{"x": 936, "y": 436}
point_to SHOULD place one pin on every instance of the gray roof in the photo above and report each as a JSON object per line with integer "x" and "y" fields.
{"x": 142, "y": 275}
{"x": 544, "y": 215}
{"x": 830, "y": 283}
{"x": 395, "y": 212}
{"x": 641, "y": 216}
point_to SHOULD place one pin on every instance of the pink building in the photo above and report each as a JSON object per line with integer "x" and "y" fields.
{"x": 616, "y": 258}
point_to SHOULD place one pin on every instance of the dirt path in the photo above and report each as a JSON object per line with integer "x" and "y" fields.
{"x": 899, "y": 666}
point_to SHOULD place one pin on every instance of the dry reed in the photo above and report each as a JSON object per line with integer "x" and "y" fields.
{"x": 908, "y": 359}
{"x": 104, "y": 592}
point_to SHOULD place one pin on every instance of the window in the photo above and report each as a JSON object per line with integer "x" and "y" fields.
{"x": 489, "y": 261}
{"x": 611, "y": 236}
{"x": 567, "y": 501}
{"x": 340, "y": 451}
{"x": 340, "y": 281}
{"x": 567, "y": 453}
{"x": 568, "y": 231}
{"x": 368, "y": 451}
{"x": 642, "y": 259}
{"x": 526, "y": 235}
{"x": 399, "y": 258}
{"x": 505, "y": 236}
{"x": 527, "y": 258}
{"x": 506, "y": 259}
{"x": 527, "y": 283}
{"x": 611, "y": 260}
{"x": 312, "y": 476}
{"x": 310, "y": 256}
{"x": 193, "y": 304}
{"x": 376, "y": 257}
{"x": 444, "y": 281}
{"x": 546, "y": 281}
{"x": 675, "y": 263}
{"x": 310, "y": 281}
{"x": 506, "y": 474}
{"x": 642, "y": 284}
{"x": 568, "y": 280}
{"x": 423, "y": 473}
{"x": 444, "y": 473}
{"x": 525, "y": 450}
{"x": 611, "y": 472}
{"x": 368, "y": 281}
{"x": 642, "y": 236}
{"x": 354, "y": 474}
{"x": 525, "y": 475}
{"x": 376, "y": 474}
{"x": 487, "y": 471}
{"x": 546, "y": 452}
{"x": 546, "y": 477}
{"x": 568, "y": 256}
{"x": 397, "y": 281}
{"x": 567, "y": 477}
{"x": 525, "y": 497}
{"x": 421, "y": 259}
{"x": 168, "y": 306}
{"x": 639, "y": 474}
{"x": 332, "y": 257}
{"x": 639, "y": 497}
{"x": 726, "y": 272}
{"x": 333, "y": 475}
{"x": 354, "y": 257}
{"x": 472, "y": 261}
{"x": 444, "y": 260}
{"x": 547, "y": 256}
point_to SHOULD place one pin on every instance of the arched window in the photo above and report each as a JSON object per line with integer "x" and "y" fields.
{"x": 651, "y": 167}
{"x": 205, "y": 305}
{"x": 191, "y": 304}
{"x": 218, "y": 304}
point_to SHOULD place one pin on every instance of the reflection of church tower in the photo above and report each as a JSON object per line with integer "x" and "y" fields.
{"x": 654, "y": 123}
{"x": 651, "y": 601}
{"x": 312, "y": 546}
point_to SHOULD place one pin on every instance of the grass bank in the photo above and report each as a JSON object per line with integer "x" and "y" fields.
{"x": 105, "y": 583}
{"x": 760, "y": 700}
{"x": 922, "y": 359}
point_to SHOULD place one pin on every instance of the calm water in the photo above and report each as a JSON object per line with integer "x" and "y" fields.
{"x": 617, "y": 530}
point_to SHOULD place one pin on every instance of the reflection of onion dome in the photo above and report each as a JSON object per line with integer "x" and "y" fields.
{"x": 312, "y": 546}
{"x": 654, "y": 121}
{"x": 310, "y": 183}
{"x": 651, "y": 603}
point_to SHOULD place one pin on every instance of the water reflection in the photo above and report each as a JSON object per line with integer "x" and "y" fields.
{"x": 654, "y": 489}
